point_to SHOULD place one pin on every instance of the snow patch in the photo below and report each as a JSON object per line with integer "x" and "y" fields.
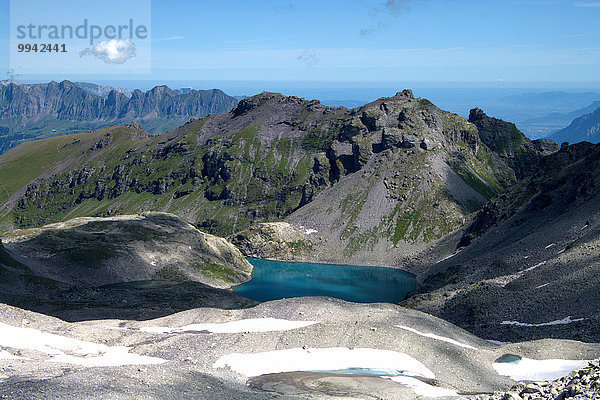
{"x": 539, "y": 370}
{"x": 497, "y": 342}
{"x": 450, "y": 256}
{"x": 541, "y": 286}
{"x": 532, "y": 268}
{"x": 436, "y": 337}
{"x": 310, "y": 231}
{"x": 564, "y": 321}
{"x": 550, "y": 245}
{"x": 325, "y": 359}
{"x": 79, "y": 352}
{"x": 244, "y": 325}
{"x": 421, "y": 388}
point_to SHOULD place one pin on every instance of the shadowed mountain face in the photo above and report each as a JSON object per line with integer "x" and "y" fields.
{"x": 370, "y": 183}
{"x": 584, "y": 128}
{"x": 33, "y": 111}
{"x": 529, "y": 264}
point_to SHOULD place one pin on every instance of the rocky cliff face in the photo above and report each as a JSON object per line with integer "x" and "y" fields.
{"x": 526, "y": 267}
{"x": 521, "y": 153}
{"x": 40, "y": 110}
{"x": 383, "y": 179}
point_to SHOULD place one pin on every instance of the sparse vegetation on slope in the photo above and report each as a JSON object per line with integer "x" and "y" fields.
{"x": 394, "y": 172}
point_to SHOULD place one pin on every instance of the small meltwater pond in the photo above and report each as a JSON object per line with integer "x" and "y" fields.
{"x": 274, "y": 280}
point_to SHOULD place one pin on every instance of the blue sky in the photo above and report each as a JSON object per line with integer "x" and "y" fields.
{"x": 364, "y": 41}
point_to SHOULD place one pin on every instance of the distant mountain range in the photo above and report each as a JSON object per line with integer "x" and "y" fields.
{"x": 33, "y": 111}
{"x": 584, "y": 128}
{"x": 542, "y": 113}
{"x": 548, "y": 124}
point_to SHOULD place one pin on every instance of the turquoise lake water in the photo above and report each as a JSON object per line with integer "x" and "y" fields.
{"x": 273, "y": 280}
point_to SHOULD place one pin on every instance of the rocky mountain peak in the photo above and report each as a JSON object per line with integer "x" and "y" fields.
{"x": 406, "y": 94}
{"x": 162, "y": 90}
{"x": 476, "y": 114}
{"x": 251, "y": 103}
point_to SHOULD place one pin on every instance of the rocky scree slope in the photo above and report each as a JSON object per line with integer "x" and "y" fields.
{"x": 33, "y": 111}
{"x": 391, "y": 175}
{"x": 527, "y": 265}
{"x": 128, "y": 261}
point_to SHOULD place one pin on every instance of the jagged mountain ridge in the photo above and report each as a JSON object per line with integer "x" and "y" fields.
{"x": 31, "y": 111}
{"x": 584, "y": 128}
{"x": 527, "y": 265}
{"x": 418, "y": 169}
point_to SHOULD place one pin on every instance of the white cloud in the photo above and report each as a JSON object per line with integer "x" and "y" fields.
{"x": 169, "y": 38}
{"x": 115, "y": 51}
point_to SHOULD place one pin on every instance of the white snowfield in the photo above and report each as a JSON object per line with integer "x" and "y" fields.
{"x": 244, "y": 325}
{"x": 437, "y": 337}
{"x": 421, "y": 388}
{"x": 335, "y": 359}
{"x": 564, "y": 321}
{"x": 539, "y": 370}
{"x": 326, "y": 359}
{"x": 68, "y": 350}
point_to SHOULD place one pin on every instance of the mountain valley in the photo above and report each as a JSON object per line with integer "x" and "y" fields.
{"x": 111, "y": 270}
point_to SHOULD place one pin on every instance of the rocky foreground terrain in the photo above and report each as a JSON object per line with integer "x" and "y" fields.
{"x": 286, "y": 349}
{"x": 153, "y": 318}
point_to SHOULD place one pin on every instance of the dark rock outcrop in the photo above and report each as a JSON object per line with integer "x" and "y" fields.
{"x": 504, "y": 138}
